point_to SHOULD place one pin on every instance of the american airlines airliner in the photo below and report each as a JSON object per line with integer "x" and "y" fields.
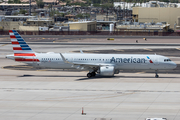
{"x": 103, "y": 64}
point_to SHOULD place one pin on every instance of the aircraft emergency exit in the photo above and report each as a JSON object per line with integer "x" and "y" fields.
{"x": 104, "y": 64}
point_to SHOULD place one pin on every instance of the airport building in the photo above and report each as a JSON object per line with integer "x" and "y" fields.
{"x": 16, "y": 6}
{"x": 81, "y": 25}
{"x": 145, "y": 27}
{"x": 36, "y": 24}
{"x": 40, "y": 21}
{"x": 156, "y": 12}
{"x": 106, "y": 17}
{"x": 10, "y": 25}
{"x": 32, "y": 23}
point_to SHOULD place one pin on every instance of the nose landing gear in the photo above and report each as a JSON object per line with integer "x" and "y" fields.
{"x": 156, "y": 72}
{"x": 156, "y": 76}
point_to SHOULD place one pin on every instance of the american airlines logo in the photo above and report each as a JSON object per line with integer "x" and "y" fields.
{"x": 128, "y": 60}
{"x": 149, "y": 60}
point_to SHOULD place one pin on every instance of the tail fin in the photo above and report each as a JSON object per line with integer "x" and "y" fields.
{"x": 19, "y": 45}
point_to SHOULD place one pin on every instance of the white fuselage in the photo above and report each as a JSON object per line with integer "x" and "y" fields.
{"x": 119, "y": 61}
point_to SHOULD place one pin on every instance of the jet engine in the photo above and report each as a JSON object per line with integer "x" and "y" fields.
{"x": 106, "y": 71}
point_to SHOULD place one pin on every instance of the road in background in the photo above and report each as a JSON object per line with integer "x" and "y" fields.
{"x": 95, "y": 39}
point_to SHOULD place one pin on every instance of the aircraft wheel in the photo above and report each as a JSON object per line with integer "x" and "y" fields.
{"x": 89, "y": 75}
{"x": 93, "y": 74}
{"x": 156, "y": 76}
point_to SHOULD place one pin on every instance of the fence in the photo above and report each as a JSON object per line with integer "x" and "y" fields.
{"x": 121, "y": 33}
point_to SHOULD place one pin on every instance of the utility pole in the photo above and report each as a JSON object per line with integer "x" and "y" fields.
{"x": 29, "y": 7}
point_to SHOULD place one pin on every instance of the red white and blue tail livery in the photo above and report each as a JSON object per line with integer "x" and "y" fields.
{"x": 104, "y": 64}
{"x": 22, "y": 51}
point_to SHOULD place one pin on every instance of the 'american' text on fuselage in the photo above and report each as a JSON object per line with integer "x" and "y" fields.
{"x": 128, "y": 60}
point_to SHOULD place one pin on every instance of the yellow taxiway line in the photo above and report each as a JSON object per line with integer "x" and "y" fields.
{"x": 148, "y": 49}
{"x": 4, "y": 45}
{"x": 178, "y": 48}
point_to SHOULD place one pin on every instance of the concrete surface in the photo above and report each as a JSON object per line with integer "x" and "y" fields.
{"x": 60, "y": 95}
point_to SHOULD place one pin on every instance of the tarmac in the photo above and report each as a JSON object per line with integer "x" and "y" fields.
{"x": 27, "y": 93}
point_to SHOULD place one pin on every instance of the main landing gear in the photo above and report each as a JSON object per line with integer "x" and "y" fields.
{"x": 156, "y": 72}
{"x": 89, "y": 75}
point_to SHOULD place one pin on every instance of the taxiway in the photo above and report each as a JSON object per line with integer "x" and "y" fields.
{"x": 33, "y": 94}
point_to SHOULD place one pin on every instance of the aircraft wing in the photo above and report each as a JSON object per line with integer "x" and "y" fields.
{"x": 91, "y": 65}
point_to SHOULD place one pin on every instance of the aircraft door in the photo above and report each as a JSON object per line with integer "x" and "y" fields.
{"x": 34, "y": 60}
{"x": 156, "y": 60}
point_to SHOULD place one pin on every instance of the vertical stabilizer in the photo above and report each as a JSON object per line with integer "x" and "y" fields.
{"x": 20, "y": 47}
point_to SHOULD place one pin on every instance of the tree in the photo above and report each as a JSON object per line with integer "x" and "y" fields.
{"x": 107, "y": 6}
{"x": 17, "y": 1}
{"x": 96, "y": 5}
{"x": 14, "y": 1}
{"x": 82, "y": 16}
{"x": 96, "y": 1}
{"x": 22, "y": 11}
{"x": 16, "y": 13}
{"x": 56, "y": 13}
{"x": 10, "y": 1}
{"x": 79, "y": 16}
{"x": 40, "y": 3}
{"x": 87, "y": 15}
{"x": 89, "y": 2}
{"x": 67, "y": 2}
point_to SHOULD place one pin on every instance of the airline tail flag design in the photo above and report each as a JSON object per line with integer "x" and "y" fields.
{"x": 20, "y": 48}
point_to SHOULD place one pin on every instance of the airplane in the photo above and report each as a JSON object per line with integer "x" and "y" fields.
{"x": 103, "y": 64}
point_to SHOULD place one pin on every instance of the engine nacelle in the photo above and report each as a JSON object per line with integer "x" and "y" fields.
{"x": 106, "y": 71}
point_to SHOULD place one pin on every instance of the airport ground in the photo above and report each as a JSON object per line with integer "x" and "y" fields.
{"x": 27, "y": 93}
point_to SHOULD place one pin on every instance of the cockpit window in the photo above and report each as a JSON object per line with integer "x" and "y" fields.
{"x": 166, "y": 60}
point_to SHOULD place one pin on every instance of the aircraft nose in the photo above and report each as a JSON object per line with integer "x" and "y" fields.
{"x": 173, "y": 65}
